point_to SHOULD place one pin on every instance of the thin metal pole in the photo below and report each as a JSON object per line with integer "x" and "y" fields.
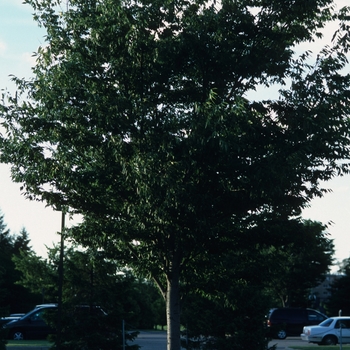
{"x": 123, "y": 334}
{"x": 341, "y": 332}
{"x": 60, "y": 283}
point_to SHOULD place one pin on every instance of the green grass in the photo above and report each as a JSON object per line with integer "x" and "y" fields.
{"x": 321, "y": 347}
{"x": 27, "y": 343}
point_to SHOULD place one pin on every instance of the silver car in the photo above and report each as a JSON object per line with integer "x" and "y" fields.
{"x": 331, "y": 331}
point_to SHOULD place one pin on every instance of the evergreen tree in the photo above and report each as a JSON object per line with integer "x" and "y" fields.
{"x": 5, "y": 262}
{"x": 13, "y": 297}
{"x": 22, "y": 242}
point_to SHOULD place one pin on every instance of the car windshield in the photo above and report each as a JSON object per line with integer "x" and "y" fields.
{"x": 326, "y": 323}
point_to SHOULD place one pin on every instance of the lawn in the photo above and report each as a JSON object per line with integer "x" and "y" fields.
{"x": 28, "y": 343}
{"x": 335, "y": 347}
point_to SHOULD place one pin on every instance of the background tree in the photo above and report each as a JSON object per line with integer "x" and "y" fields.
{"x": 3, "y": 341}
{"x": 265, "y": 264}
{"x": 137, "y": 117}
{"x": 340, "y": 288}
{"x": 13, "y": 297}
{"x": 300, "y": 258}
{"x": 5, "y": 259}
{"x": 37, "y": 275}
{"x": 227, "y": 312}
{"x": 91, "y": 278}
{"x": 4, "y": 262}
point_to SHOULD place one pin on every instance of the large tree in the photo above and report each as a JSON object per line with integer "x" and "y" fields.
{"x": 137, "y": 117}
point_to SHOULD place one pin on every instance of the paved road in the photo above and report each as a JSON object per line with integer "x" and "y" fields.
{"x": 154, "y": 340}
{"x": 290, "y": 341}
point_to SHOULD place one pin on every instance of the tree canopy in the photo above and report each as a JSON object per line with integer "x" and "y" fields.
{"x": 138, "y": 118}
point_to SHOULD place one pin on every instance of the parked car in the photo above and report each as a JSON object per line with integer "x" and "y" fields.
{"x": 32, "y": 325}
{"x": 35, "y": 325}
{"x": 328, "y": 332}
{"x": 284, "y": 322}
{"x": 9, "y": 318}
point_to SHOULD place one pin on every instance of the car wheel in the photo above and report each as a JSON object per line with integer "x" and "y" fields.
{"x": 329, "y": 340}
{"x": 17, "y": 335}
{"x": 281, "y": 334}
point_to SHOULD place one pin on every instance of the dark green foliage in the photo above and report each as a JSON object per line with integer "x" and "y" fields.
{"x": 3, "y": 341}
{"x": 224, "y": 321}
{"x": 303, "y": 252}
{"x": 138, "y": 118}
{"x": 340, "y": 292}
{"x": 235, "y": 297}
{"x": 14, "y": 298}
{"x": 36, "y": 275}
{"x": 231, "y": 302}
{"x": 89, "y": 328}
{"x": 90, "y": 278}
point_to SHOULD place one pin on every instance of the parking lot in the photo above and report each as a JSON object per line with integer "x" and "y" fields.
{"x": 151, "y": 340}
{"x": 289, "y": 342}
{"x": 154, "y": 340}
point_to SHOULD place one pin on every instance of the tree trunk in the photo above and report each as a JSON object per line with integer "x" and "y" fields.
{"x": 173, "y": 309}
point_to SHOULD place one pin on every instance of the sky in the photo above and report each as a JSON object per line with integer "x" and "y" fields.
{"x": 20, "y": 36}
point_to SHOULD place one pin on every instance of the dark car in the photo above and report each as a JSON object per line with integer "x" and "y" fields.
{"x": 284, "y": 322}
{"x": 36, "y": 323}
{"x": 32, "y": 325}
{"x": 9, "y": 318}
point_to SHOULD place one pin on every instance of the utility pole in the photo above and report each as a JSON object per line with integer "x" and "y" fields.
{"x": 123, "y": 334}
{"x": 60, "y": 283}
